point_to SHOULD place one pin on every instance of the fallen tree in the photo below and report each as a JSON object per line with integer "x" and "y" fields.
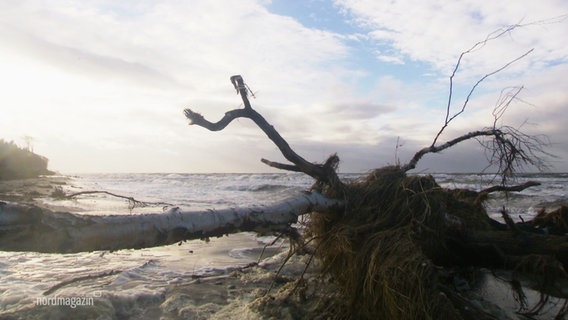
{"x": 31, "y": 228}
{"x": 392, "y": 243}
{"x": 389, "y": 248}
{"x": 394, "y": 248}
{"x": 388, "y": 241}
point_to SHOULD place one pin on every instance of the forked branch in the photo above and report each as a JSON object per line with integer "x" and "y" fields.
{"x": 492, "y": 36}
{"x": 322, "y": 172}
{"x": 507, "y": 148}
{"x": 471, "y": 91}
{"x": 435, "y": 149}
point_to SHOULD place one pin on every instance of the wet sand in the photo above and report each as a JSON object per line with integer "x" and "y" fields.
{"x": 27, "y": 191}
{"x": 236, "y": 293}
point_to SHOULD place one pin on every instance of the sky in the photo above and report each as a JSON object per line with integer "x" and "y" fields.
{"x": 100, "y": 86}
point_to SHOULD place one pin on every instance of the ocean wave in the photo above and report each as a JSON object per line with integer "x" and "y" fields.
{"x": 148, "y": 272}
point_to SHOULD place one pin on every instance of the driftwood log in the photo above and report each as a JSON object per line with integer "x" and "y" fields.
{"x": 30, "y": 228}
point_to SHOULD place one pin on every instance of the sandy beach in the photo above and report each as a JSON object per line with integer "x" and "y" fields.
{"x": 265, "y": 290}
{"x": 28, "y": 190}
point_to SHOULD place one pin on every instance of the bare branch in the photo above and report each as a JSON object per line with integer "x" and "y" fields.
{"x": 464, "y": 105}
{"x": 510, "y": 150}
{"x": 198, "y": 119}
{"x": 319, "y": 172}
{"x": 133, "y": 203}
{"x": 30, "y": 228}
{"x": 516, "y": 188}
{"x": 435, "y": 149}
{"x": 492, "y": 36}
{"x": 507, "y": 96}
{"x": 281, "y": 166}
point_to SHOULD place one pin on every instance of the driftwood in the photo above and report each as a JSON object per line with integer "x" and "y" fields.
{"x": 385, "y": 248}
{"x": 391, "y": 243}
{"x": 384, "y": 240}
{"x": 30, "y": 228}
{"x": 322, "y": 172}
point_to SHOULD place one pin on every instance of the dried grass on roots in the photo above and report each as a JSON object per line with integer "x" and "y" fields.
{"x": 377, "y": 250}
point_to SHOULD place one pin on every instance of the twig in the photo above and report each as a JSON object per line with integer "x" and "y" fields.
{"x": 509, "y": 221}
{"x": 290, "y": 254}
{"x": 468, "y": 97}
{"x": 303, "y": 272}
{"x": 516, "y": 188}
{"x": 267, "y": 245}
{"x": 281, "y": 166}
{"x": 133, "y": 202}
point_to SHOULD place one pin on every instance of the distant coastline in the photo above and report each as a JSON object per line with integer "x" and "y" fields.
{"x": 21, "y": 163}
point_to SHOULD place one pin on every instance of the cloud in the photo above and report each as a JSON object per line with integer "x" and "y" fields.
{"x": 358, "y": 111}
{"x": 437, "y": 31}
{"x": 183, "y": 40}
{"x": 102, "y": 85}
{"x": 109, "y": 76}
{"x": 390, "y": 58}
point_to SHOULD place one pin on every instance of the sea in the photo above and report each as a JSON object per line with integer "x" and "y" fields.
{"x": 127, "y": 282}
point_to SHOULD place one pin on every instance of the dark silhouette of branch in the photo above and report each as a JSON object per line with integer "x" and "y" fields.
{"x": 434, "y": 149}
{"x": 471, "y": 91}
{"x": 492, "y": 36}
{"x": 133, "y": 203}
{"x": 512, "y": 150}
{"x": 281, "y": 166}
{"x": 516, "y": 188}
{"x": 508, "y": 148}
{"x": 322, "y": 173}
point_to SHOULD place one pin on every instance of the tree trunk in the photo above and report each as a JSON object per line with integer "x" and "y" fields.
{"x": 30, "y": 228}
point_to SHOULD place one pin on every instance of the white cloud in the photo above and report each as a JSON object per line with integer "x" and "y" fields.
{"x": 101, "y": 84}
{"x": 437, "y": 31}
{"x": 108, "y": 76}
{"x": 391, "y": 58}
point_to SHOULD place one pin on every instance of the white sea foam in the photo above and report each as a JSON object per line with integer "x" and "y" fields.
{"x": 133, "y": 282}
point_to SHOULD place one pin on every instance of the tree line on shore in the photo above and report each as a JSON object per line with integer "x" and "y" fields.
{"x": 20, "y": 163}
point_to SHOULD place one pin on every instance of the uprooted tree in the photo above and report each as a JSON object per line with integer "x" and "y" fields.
{"x": 389, "y": 247}
{"x": 386, "y": 241}
{"x": 384, "y": 246}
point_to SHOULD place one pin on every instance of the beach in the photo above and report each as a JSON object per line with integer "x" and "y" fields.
{"x": 29, "y": 190}
{"x": 226, "y": 277}
{"x": 240, "y": 276}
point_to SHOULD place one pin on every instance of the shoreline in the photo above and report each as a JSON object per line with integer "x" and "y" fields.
{"x": 238, "y": 293}
{"x": 27, "y": 191}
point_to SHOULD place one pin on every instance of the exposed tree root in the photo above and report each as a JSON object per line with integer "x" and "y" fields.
{"x": 390, "y": 249}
